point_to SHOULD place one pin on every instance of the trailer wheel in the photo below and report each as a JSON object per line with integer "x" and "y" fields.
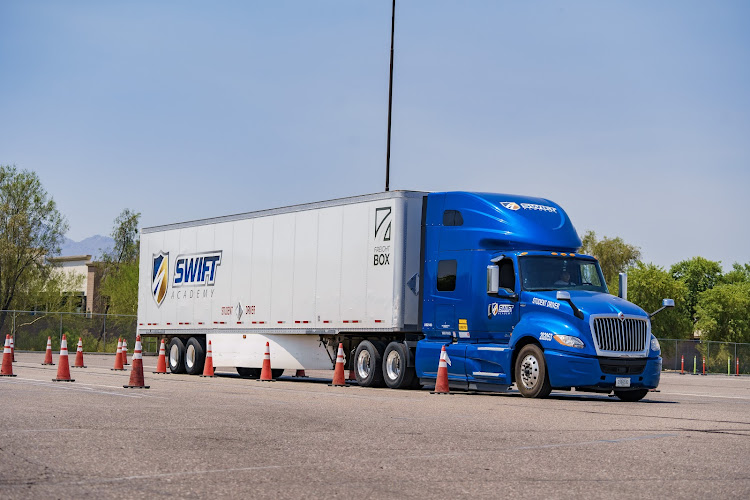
{"x": 368, "y": 363}
{"x": 195, "y": 357}
{"x": 248, "y": 372}
{"x": 176, "y": 356}
{"x": 531, "y": 373}
{"x": 395, "y": 372}
{"x": 631, "y": 396}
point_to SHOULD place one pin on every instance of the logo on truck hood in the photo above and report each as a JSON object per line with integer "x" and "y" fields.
{"x": 159, "y": 276}
{"x": 510, "y": 205}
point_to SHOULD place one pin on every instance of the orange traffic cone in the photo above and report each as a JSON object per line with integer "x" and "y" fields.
{"x": 79, "y": 355}
{"x": 161, "y": 364}
{"x": 12, "y": 349}
{"x": 7, "y": 369}
{"x": 48, "y": 354}
{"x": 265, "y": 371}
{"x": 125, "y": 352}
{"x": 118, "y": 357}
{"x": 338, "y": 372}
{"x": 63, "y": 368}
{"x": 136, "y": 372}
{"x": 441, "y": 384}
{"x": 208, "y": 366}
{"x": 300, "y": 374}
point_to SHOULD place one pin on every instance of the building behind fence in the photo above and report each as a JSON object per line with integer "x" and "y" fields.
{"x": 100, "y": 332}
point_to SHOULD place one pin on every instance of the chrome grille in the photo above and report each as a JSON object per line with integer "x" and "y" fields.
{"x": 614, "y": 334}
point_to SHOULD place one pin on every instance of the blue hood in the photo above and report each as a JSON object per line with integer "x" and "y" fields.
{"x": 588, "y": 302}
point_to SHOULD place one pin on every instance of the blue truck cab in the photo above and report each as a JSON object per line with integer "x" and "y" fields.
{"x": 506, "y": 291}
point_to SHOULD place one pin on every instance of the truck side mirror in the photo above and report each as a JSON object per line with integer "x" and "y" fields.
{"x": 665, "y": 304}
{"x": 493, "y": 279}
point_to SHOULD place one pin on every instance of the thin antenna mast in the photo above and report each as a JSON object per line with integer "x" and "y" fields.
{"x": 390, "y": 104}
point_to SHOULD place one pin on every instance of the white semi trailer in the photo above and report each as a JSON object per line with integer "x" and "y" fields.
{"x": 302, "y": 278}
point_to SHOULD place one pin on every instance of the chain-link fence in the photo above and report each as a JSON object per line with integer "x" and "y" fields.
{"x": 99, "y": 332}
{"x": 719, "y": 357}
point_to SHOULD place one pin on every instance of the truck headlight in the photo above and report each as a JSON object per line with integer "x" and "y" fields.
{"x": 569, "y": 340}
{"x": 655, "y": 346}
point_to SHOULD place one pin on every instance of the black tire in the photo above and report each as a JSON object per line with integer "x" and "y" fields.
{"x": 631, "y": 396}
{"x": 195, "y": 356}
{"x": 248, "y": 372}
{"x": 531, "y": 373}
{"x": 176, "y": 355}
{"x": 276, "y": 373}
{"x": 368, "y": 363}
{"x": 395, "y": 372}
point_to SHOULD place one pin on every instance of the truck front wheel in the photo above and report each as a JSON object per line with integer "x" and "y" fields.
{"x": 531, "y": 373}
{"x": 176, "y": 356}
{"x": 631, "y": 396}
{"x": 368, "y": 363}
{"x": 395, "y": 372}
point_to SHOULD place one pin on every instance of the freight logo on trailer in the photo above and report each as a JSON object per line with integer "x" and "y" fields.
{"x": 159, "y": 276}
{"x": 383, "y": 221}
{"x": 198, "y": 269}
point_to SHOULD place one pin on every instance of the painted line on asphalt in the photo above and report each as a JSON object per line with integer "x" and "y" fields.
{"x": 79, "y": 387}
{"x": 705, "y": 395}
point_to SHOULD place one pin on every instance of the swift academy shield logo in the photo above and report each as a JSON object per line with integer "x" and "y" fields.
{"x": 159, "y": 276}
{"x": 510, "y": 205}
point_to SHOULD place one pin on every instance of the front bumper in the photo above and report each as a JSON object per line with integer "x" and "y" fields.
{"x": 570, "y": 370}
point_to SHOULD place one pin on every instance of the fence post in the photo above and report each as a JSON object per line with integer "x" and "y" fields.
{"x": 104, "y": 334}
{"x": 60, "y": 328}
{"x": 708, "y": 356}
{"x": 14, "y": 327}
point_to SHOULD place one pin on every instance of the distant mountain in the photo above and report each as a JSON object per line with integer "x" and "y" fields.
{"x": 93, "y": 245}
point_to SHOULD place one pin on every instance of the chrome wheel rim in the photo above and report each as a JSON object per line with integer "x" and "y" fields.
{"x": 393, "y": 365}
{"x": 190, "y": 356}
{"x": 174, "y": 356}
{"x": 529, "y": 371}
{"x": 363, "y": 364}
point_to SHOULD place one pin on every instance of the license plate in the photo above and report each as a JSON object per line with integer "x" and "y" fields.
{"x": 622, "y": 382}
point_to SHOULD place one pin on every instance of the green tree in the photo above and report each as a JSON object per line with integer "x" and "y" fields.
{"x": 699, "y": 275}
{"x": 120, "y": 274}
{"x": 739, "y": 274}
{"x": 723, "y": 313}
{"x": 31, "y": 228}
{"x": 614, "y": 256}
{"x": 648, "y": 284}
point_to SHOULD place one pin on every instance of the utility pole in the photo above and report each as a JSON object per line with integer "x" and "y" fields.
{"x": 390, "y": 104}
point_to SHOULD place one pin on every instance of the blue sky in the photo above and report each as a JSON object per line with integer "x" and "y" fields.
{"x": 634, "y": 116}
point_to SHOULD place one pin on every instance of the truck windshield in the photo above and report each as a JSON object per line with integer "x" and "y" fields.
{"x": 540, "y": 273}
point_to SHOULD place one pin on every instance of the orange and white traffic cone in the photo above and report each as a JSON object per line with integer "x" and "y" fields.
{"x": 265, "y": 371}
{"x": 300, "y": 374}
{"x": 208, "y": 366}
{"x": 338, "y": 372}
{"x": 125, "y": 352}
{"x": 63, "y": 367}
{"x": 136, "y": 372}
{"x": 48, "y": 354}
{"x": 79, "y": 355}
{"x": 118, "y": 357}
{"x": 441, "y": 384}
{"x": 7, "y": 369}
{"x": 12, "y": 349}
{"x": 161, "y": 364}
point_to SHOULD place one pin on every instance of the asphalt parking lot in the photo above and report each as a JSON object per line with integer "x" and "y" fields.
{"x": 227, "y": 437}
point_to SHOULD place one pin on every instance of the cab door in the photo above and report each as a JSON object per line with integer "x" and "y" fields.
{"x": 501, "y": 311}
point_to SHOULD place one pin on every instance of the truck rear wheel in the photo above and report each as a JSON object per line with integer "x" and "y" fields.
{"x": 195, "y": 357}
{"x": 395, "y": 372}
{"x": 368, "y": 363}
{"x": 631, "y": 396}
{"x": 248, "y": 372}
{"x": 176, "y": 356}
{"x": 531, "y": 373}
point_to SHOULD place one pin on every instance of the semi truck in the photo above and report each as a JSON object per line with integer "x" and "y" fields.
{"x": 495, "y": 278}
